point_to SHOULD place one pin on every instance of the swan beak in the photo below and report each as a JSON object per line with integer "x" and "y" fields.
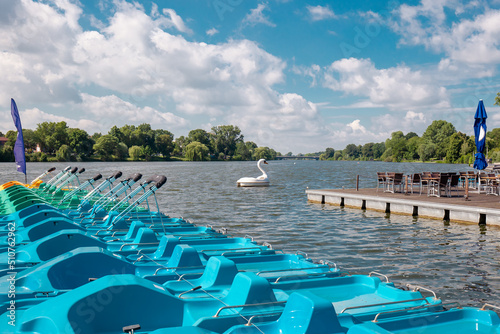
{"x": 265, "y": 162}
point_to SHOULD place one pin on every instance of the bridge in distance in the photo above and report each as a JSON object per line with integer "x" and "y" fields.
{"x": 294, "y": 157}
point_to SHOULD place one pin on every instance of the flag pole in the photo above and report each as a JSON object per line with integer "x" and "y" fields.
{"x": 19, "y": 145}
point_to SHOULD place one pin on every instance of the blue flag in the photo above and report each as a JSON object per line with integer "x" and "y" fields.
{"x": 19, "y": 145}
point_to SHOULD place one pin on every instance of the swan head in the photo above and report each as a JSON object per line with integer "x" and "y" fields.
{"x": 262, "y": 161}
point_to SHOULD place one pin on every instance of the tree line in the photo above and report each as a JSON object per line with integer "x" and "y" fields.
{"x": 440, "y": 142}
{"x": 55, "y": 141}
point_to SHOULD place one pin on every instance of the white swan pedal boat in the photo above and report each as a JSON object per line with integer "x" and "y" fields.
{"x": 260, "y": 181}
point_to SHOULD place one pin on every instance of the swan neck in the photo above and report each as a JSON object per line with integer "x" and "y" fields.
{"x": 260, "y": 167}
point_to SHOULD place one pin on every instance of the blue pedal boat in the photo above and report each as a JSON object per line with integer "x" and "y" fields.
{"x": 104, "y": 306}
{"x": 146, "y": 241}
{"x": 78, "y": 267}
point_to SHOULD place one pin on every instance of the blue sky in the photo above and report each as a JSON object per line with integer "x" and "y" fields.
{"x": 296, "y": 76}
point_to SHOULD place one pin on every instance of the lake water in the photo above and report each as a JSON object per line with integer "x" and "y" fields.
{"x": 459, "y": 262}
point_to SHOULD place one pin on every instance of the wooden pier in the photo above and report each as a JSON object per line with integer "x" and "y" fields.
{"x": 478, "y": 209}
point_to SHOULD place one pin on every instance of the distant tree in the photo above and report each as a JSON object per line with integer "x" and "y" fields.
{"x": 51, "y": 135}
{"x": 468, "y": 147}
{"x": 116, "y": 132}
{"x": 144, "y": 136}
{"x": 410, "y": 135}
{"x": 289, "y": 154}
{"x": 378, "y": 150}
{"x": 63, "y": 153}
{"x": 328, "y": 154}
{"x": 494, "y": 135}
{"x": 148, "y": 152}
{"x": 196, "y": 151}
{"x": 367, "y": 151}
{"x": 351, "y": 152}
{"x": 106, "y": 146}
{"x": 122, "y": 151}
{"x": 30, "y": 139}
{"x": 337, "y": 155}
{"x": 128, "y": 135}
{"x": 426, "y": 150}
{"x": 200, "y": 136}
{"x": 453, "y": 154}
{"x": 397, "y": 144}
{"x": 251, "y": 145}
{"x": 164, "y": 144}
{"x": 12, "y": 137}
{"x": 412, "y": 145}
{"x": 80, "y": 142}
{"x": 264, "y": 153}
{"x": 225, "y": 138}
{"x": 180, "y": 145}
{"x": 96, "y": 136}
{"x": 439, "y": 133}
{"x": 135, "y": 153}
{"x": 243, "y": 152}
{"x": 7, "y": 153}
{"x": 497, "y": 99}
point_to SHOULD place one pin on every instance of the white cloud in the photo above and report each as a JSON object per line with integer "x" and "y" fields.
{"x": 287, "y": 120}
{"x": 394, "y": 88}
{"x": 356, "y": 126}
{"x": 256, "y": 16}
{"x": 318, "y": 13}
{"x": 312, "y": 71}
{"x": 176, "y": 21}
{"x": 411, "y": 122}
{"x": 111, "y": 110}
{"x": 99, "y": 114}
{"x": 353, "y": 133}
{"x": 211, "y": 32}
{"x": 34, "y": 40}
{"x": 379, "y": 128}
{"x": 470, "y": 42}
{"x": 30, "y": 119}
{"x": 12, "y": 68}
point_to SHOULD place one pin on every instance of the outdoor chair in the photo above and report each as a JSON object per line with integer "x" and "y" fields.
{"x": 492, "y": 185}
{"x": 437, "y": 184}
{"x": 453, "y": 184}
{"x": 394, "y": 180}
{"x": 425, "y": 179}
{"x": 463, "y": 178}
{"x": 472, "y": 179}
{"x": 482, "y": 181}
{"x": 415, "y": 179}
{"x": 381, "y": 180}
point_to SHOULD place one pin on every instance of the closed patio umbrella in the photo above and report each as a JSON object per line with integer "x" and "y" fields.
{"x": 480, "y": 134}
